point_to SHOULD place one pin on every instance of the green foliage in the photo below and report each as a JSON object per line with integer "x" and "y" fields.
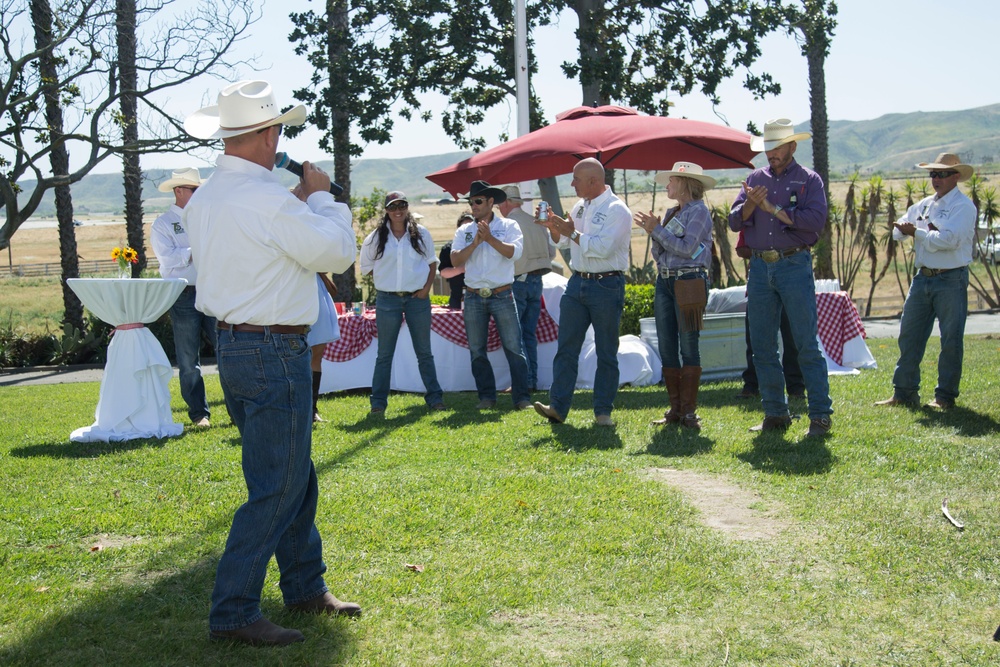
{"x": 638, "y": 304}
{"x": 642, "y": 275}
{"x": 74, "y": 346}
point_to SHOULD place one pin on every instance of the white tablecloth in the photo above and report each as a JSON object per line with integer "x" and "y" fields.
{"x": 637, "y": 362}
{"x": 135, "y": 395}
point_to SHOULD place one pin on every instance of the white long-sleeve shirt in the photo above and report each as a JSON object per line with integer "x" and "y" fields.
{"x": 486, "y": 267}
{"x": 605, "y": 226}
{"x": 400, "y": 268}
{"x": 950, "y": 247}
{"x": 258, "y": 248}
{"x": 172, "y": 247}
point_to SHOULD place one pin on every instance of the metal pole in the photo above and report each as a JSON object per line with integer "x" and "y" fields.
{"x": 521, "y": 80}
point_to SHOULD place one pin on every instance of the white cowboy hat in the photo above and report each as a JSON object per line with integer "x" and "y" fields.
{"x": 189, "y": 176}
{"x": 243, "y": 107}
{"x": 948, "y": 161}
{"x": 777, "y": 132}
{"x": 686, "y": 170}
{"x": 513, "y": 193}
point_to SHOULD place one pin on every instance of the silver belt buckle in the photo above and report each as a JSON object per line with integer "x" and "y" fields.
{"x": 770, "y": 256}
{"x": 485, "y": 292}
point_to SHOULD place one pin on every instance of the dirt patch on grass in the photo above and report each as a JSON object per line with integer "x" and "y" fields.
{"x": 103, "y": 541}
{"x": 741, "y": 514}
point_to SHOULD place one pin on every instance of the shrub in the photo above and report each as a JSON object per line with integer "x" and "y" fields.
{"x": 638, "y": 304}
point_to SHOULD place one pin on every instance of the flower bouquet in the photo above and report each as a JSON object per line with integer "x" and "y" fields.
{"x": 124, "y": 256}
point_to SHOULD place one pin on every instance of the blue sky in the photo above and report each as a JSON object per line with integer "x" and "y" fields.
{"x": 887, "y": 57}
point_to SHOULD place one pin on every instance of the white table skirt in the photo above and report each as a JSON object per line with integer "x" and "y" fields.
{"x": 135, "y": 394}
{"x": 638, "y": 363}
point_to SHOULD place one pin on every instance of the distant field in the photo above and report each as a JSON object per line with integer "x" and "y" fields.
{"x": 38, "y": 303}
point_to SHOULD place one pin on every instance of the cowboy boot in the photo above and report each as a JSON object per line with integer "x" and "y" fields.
{"x": 317, "y": 378}
{"x": 690, "y": 377}
{"x": 672, "y": 378}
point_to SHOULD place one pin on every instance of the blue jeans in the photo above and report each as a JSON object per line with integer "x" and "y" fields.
{"x": 477, "y": 315}
{"x": 267, "y": 382}
{"x": 528, "y": 297}
{"x": 389, "y": 311}
{"x": 945, "y": 297}
{"x": 189, "y": 325}
{"x": 585, "y": 303}
{"x": 788, "y": 285}
{"x": 669, "y": 336}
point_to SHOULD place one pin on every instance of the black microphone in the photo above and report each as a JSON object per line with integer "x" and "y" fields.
{"x": 282, "y": 161}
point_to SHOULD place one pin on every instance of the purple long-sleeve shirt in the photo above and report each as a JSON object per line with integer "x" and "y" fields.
{"x": 799, "y": 192}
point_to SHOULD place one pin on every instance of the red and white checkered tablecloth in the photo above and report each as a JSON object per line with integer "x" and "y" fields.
{"x": 839, "y": 322}
{"x": 357, "y": 333}
{"x": 450, "y": 325}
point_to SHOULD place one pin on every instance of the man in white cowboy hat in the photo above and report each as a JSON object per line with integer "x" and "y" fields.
{"x": 597, "y": 232}
{"x": 943, "y": 229}
{"x": 173, "y": 251}
{"x": 781, "y": 210}
{"x": 488, "y": 248}
{"x": 535, "y": 262}
{"x": 258, "y": 248}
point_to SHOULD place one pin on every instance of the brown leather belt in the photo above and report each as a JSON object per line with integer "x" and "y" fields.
{"x": 301, "y": 329}
{"x": 487, "y": 292}
{"x": 772, "y": 256}
{"x": 598, "y": 276}
{"x": 930, "y": 273}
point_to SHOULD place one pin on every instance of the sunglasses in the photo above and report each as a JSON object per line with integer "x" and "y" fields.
{"x": 942, "y": 174}
{"x": 478, "y": 201}
{"x": 265, "y": 129}
{"x": 397, "y": 206}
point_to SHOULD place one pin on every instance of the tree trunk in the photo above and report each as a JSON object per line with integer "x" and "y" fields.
{"x": 338, "y": 45}
{"x": 816, "y": 59}
{"x": 41, "y": 18}
{"x": 132, "y": 173}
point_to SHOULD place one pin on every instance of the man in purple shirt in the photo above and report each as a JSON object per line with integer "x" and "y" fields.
{"x": 781, "y": 211}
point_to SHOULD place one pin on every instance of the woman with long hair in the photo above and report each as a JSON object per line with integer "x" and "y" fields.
{"x": 399, "y": 254}
{"x": 682, "y": 248}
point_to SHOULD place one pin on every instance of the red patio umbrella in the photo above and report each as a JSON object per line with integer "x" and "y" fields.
{"x": 619, "y": 137}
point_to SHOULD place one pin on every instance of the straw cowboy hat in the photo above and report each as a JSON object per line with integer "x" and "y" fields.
{"x": 686, "y": 170}
{"x": 189, "y": 176}
{"x": 243, "y": 107}
{"x": 776, "y": 133}
{"x": 484, "y": 189}
{"x": 948, "y": 161}
{"x": 513, "y": 193}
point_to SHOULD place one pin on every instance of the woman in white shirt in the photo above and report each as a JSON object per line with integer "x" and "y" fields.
{"x": 399, "y": 254}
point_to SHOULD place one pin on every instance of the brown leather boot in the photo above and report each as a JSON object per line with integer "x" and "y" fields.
{"x": 690, "y": 378}
{"x": 261, "y": 633}
{"x": 326, "y": 603}
{"x": 672, "y": 378}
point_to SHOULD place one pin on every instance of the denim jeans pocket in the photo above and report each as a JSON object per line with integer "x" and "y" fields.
{"x": 243, "y": 371}
{"x": 293, "y": 345}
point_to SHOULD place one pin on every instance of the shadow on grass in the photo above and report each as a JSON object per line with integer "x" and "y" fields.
{"x": 675, "y": 440}
{"x": 775, "y": 452}
{"x": 966, "y": 422}
{"x": 87, "y": 450}
{"x": 154, "y": 617}
{"x": 581, "y": 439}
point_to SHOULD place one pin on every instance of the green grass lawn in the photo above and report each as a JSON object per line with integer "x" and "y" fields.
{"x": 541, "y": 545}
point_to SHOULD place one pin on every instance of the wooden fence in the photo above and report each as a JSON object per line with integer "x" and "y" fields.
{"x": 87, "y": 267}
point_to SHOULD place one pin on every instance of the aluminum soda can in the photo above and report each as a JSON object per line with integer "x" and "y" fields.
{"x": 543, "y": 210}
